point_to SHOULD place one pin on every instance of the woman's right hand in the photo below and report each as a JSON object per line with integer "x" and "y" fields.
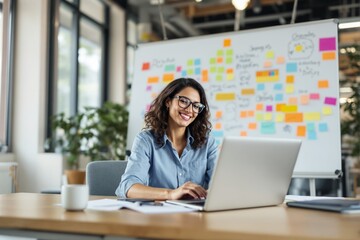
{"x": 188, "y": 190}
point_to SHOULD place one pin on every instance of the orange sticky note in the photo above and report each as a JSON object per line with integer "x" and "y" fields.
{"x": 217, "y": 126}
{"x": 243, "y": 133}
{"x": 219, "y": 60}
{"x": 229, "y": 71}
{"x": 247, "y": 91}
{"x": 329, "y": 56}
{"x": 227, "y": 42}
{"x": 280, "y": 60}
{"x": 323, "y": 84}
{"x": 293, "y": 117}
{"x": 218, "y": 114}
{"x": 243, "y": 114}
{"x": 259, "y": 106}
{"x": 290, "y": 79}
{"x": 250, "y": 113}
{"x": 304, "y": 99}
{"x": 301, "y": 131}
{"x": 168, "y": 77}
{"x": 152, "y": 80}
{"x": 204, "y": 76}
{"x": 267, "y": 64}
{"x": 293, "y": 100}
{"x": 252, "y": 126}
{"x": 279, "y": 107}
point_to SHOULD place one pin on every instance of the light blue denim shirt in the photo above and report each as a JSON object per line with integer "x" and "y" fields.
{"x": 160, "y": 166}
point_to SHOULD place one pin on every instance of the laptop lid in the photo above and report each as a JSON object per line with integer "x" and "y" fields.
{"x": 251, "y": 172}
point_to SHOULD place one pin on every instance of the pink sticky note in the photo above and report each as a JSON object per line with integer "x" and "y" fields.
{"x": 314, "y": 96}
{"x": 269, "y": 108}
{"x": 327, "y": 44}
{"x": 148, "y": 88}
{"x": 330, "y": 101}
{"x": 178, "y": 69}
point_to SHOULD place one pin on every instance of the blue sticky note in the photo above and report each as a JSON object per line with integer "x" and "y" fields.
{"x": 260, "y": 87}
{"x": 197, "y": 62}
{"x": 310, "y": 127}
{"x": 291, "y": 67}
{"x": 323, "y": 127}
{"x": 217, "y": 134}
{"x": 197, "y": 71}
{"x": 311, "y": 135}
{"x": 267, "y": 128}
{"x": 183, "y": 73}
{"x": 279, "y": 97}
{"x": 278, "y": 86}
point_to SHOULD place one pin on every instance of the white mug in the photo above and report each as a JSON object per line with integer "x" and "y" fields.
{"x": 74, "y": 197}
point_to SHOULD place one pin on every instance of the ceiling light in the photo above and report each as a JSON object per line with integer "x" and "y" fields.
{"x": 156, "y": 2}
{"x": 240, "y": 4}
{"x": 349, "y": 25}
{"x": 198, "y": 1}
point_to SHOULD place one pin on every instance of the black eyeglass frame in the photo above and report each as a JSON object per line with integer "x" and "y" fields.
{"x": 200, "y": 105}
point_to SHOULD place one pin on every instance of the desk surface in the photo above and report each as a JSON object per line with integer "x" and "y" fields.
{"x": 29, "y": 211}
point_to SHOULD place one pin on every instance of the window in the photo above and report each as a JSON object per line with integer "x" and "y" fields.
{"x": 7, "y": 17}
{"x": 78, "y": 56}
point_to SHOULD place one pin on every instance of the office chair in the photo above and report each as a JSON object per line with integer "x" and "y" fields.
{"x": 103, "y": 177}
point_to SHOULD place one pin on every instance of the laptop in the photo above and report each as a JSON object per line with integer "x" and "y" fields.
{"x": 249, "y": 172}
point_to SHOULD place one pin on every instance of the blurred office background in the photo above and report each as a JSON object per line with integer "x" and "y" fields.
{"x": 61, "y": 55}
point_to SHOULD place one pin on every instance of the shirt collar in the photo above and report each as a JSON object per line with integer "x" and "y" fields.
{"x": 189, "y": 137}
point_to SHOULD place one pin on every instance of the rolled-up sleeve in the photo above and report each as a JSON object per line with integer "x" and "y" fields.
{"x": 137, "y": 169}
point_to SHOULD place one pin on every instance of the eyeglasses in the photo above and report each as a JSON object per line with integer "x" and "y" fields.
{"x": 184, "y": 102}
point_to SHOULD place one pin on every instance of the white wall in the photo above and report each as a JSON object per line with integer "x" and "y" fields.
{"x": 37, "y": 170}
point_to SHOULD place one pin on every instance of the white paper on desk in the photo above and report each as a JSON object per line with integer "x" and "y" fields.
{"x": 289, "y": 198}
{"x": 113, "y": 205}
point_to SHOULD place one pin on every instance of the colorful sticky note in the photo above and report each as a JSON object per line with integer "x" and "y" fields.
{"x": 220, "y": 69}
{"x": 212, "y": 60}
{"x": 217, "y": 133}
{"x": 323, "y": 127}
{"x": 145, "y": 66}
{"x": 289, "y": 108}
{"x": 268, "y": 116}
{"x": 323, "y": 84}
{"x": 279, "y": 97}
{"x": 327, "y": 110}
{"x": 280, "y": 60}
{"x": 259, "y": 117}
{"x": 243, "y": 114}
{"x": 304, "y": 99}
{"x": 227, "y": 42}
{"x": 279, "y": 117}
{"x": 293, "y": 117}
{"x": 312, "y": 136}
{"x": 301, "y": 131}
{"x": 219, "y": 60}
{"x": 197, "y": 71}
{"x": 293, "y": 100}
{"x": 168, "y": 77}
{"x": 279, "y": 107}
{"x": 247, "y": 91}
{"x": 220, "y": 52}
{"x": 229, "y": 60}
{"x": 259, "y": 107}
{"x": 291, "y": 67}
{"x": 327, "y": 44}
{"x": 312, "y": 116}
{"x": 290, "y": 79}
{"x": 330, "y": 101}
{"x": 243, "y": 133}
{"x": 197, "y": 62}
{"x": 218, "y": 114}
{"x": 329, "y": 56}
{"x": 225, "y": 96}
{"x": 178, "y": 68}
{"x": 250, "y": 113}
{"x": 151, "y": 80}
{"x": 269, "y": 108}
{"x": 218, "y": 126}
{"x": 148, "y": 88}
{"x": 252, "y": 125}
{"x": 190, "y": 62}
{"x": 229, "y": 52}
{"x": 267, "y": 128}
{"x": 230, "y": 76}
{"x": 169, "y": 68}
{"x": 289, "y": 88}
{"x": 260, "y": 87}
{"x": 314, "y": 96}
{"x": 267, "y": 64}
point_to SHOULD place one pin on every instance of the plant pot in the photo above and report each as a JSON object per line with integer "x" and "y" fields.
{"x": 75, "y": 176}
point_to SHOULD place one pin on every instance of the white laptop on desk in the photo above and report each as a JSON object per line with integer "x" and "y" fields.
{"x": 250, "y": 172}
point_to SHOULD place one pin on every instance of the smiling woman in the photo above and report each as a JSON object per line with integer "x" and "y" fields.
{"x": 175, "y": 139}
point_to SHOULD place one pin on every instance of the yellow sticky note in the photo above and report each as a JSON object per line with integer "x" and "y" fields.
{"x": 268, "y": 116}
{"x": 279, "y": 117}
{"x": 259, "y": 117}
{"x": 230, "y": 76}
{"x": 225, "y": 96}
{"x": 312, "y": 116}
{"x": 289, "y": 88}
{"x": 327, "y": 110}
{"x": 270, "y": 54}
{"x": 247, "y": 91}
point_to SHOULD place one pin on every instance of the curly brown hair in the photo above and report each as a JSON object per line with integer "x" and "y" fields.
{"x": 156, "y": 119}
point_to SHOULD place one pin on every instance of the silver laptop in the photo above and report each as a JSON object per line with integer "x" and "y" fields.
{"x": 250, "y": 172}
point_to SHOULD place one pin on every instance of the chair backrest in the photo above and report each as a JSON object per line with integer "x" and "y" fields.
{"x": 103, "y": 177}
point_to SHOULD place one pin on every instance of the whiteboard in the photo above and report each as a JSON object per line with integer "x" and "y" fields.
{"x": 279, "y": 82}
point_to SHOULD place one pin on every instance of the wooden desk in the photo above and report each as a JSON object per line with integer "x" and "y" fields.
{"x": 21, "y": 212}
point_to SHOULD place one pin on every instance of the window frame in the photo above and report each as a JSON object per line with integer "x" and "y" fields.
{"x": 54, "y": 25}
{"x": 8, "y": 8}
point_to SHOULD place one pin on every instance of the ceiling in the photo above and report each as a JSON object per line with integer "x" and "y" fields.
{"x": 186, "y": 18}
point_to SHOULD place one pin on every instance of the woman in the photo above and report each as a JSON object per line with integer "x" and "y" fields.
{"x": 174, "y": 156}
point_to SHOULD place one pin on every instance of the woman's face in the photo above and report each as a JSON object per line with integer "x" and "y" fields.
{"x": 179, "y": 116}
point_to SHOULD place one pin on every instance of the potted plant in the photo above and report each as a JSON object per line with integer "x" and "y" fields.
{"x": 350, "y": 120}
{"x": 98, "y": 133}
